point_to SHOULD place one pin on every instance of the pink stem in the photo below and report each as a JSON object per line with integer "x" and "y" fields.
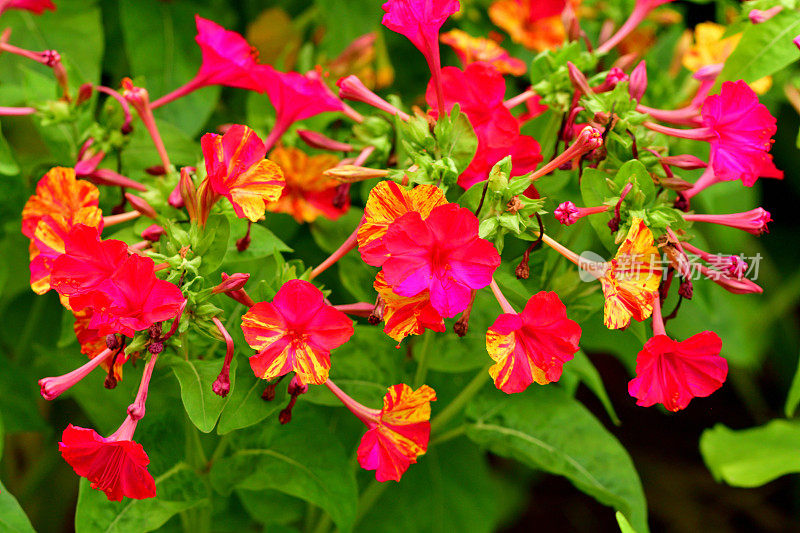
{"x": 697, "y": 134}
{"x": 136, "y": 410}
{"x": 519, "y": 99}
{"x": 658, "y": 322}
{"x": 126, "y": 108}
{"x": 17, "y": 111}
{"x": 370, "y": 417}
{"x": 501, "y": 299}
{"x": 349, "y": 244}
{"x": 359, "y": 309}
{"x": 111, "y": 220}
{"x": 177, "y": 93}
{"x": 687, "y": 115}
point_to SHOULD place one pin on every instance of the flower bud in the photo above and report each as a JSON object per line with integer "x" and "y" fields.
{"x": 638, "y": 81}
{"x": 321, "y": 142}
{"x": 153, "y": 233}
{"x": 141, "y": 205}
{"x": 234, "y": 282}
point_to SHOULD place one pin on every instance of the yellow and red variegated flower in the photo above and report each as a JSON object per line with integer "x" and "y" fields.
{"x": 295, "y": 333}
{"x": 536, "y": 24}
{"x": 93, "y": 344}
{"x": 59, "y": 193}
{"x": 401, "y": 433}
{"x": 308, "y": 193}
{"x": 470, "y": 49}
{"x": 61, "y": 201}
{"x": 533, "y": 345}
{"x": 630, "y": 281}
{"x": 238, "y": 171}
{"x": 406, "y": 315}
{"x": 388, "y": 201}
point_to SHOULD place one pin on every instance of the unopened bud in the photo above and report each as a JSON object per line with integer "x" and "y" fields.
{"x": 155, "y": 348}
{"x": 353, "y": 173}
{"x": 269, "y": 392}
{"x": 686, "y": 289}
{"x": 84, "y": 93}
{"x": 156, "y": 170}
{"x": 153, "y": 233}
{"x": 141, "y": 205}
{"x": 638, "y": 81}
{"x": 578, "y": 79}
{"x": 321, "y": 142}
{"x": 188, "y": 193}
{"x": 234, "y": 282}
{"x": 342, "y": 196}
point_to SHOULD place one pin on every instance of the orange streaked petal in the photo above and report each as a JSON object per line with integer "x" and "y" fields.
{"x": 58, "y": 193}
{"x": 406, "y": 316}
{"x": 387, "y": 201}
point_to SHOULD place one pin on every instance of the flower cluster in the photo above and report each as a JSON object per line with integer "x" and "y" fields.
{"x": 451, "y": 196}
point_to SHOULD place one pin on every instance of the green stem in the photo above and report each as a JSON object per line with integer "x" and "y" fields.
{"x": 422, "y": 360}
{"x": 31, "y": 323}
{"x": 222, "y": 445}
{"x": 449, "y": 435}
{"x": 368, "y": 498}
{"x": 458, "y": 403}
{"x": 324, "y": 523}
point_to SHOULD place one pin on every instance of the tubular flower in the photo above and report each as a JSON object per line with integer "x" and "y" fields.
{"x": 533, "y": 345}
{"x": 401, "y": 433}
{"x": 671, "y": 373}
{"x": 34, "y": 6}
{"x": 387, "y": 202}
{"x": 470, "y": 49}
{"x": 238, "y": 171}
{"x": 406, "y": 316}
{"x": 116, "y": 465}
{"x": 630, "y": 281}
{"x": 420, "y": 22}
{"x": 228, "y": 59}
{"x": 711, "y": 48}
{"x": 295, "y": 333}
{"x": 295, "y": 97}
{"x": 754, "y": 221}
{"x": 534, "y": 24}
{"x": 308, "y": 193}
{"x": 479, "y": 89}
{"x": 442, "y": 254}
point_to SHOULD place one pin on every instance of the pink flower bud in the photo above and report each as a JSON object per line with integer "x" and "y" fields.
{"x": 153, "y": 233}
{"x": 141, "y": 205}
{"x": 231, "y": 283}
{"x": 638, "y": 81}
{"x": 758, "y": 16}
{"x": 321, "y": 142}
{"x": 351, "y": 88}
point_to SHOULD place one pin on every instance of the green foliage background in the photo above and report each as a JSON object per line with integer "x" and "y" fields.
{"x": 302, "y": 477}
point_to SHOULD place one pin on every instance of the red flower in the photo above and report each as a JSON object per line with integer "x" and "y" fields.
{"x": 533, "y": 345}
{"x": 116, "y": 465}
{"x": 87, "y": 264}
{"x": 406, "y": 316}
{"x": 672, "y": 373}
{"x": 419, "y": 21}
{"x": 238, "y": 171}
{"x": 134, "y": 299}
{"x": 742, "y": 130}
{"x": 479, "y": 90}
{"x": 753, "y": 221}
{"x": 442, "y": 254}
{"x": 295, "y": 333}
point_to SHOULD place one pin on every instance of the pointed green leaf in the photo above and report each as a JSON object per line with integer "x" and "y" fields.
{"x": 195, "y": 378}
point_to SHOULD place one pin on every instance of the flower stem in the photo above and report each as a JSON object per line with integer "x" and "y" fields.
{"x": 501, "y": 299}
{"x": 458, "y": 403}
{"x": 371, "y": 494}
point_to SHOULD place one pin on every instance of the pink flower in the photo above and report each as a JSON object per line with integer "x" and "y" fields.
{"x": 753, "y": 221}
{"x": 442, "y": 253}
{"x": 533, "y": 345}
{"x": 568, "y": 213}
{"x": 742, "y": 130}
{"x": 34, "y": 6}
{"x": 479, "y": 90}
{"x": 672, "y": 373}
{"x": 420, "y": 21}
{"x": 227, "y": 60}
{"x": 295, "y": 97}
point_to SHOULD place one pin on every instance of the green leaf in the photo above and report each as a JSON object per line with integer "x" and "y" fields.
{"x": 583, "y": 368}
{"x": 456, "y": 138}
{"x": 595, "y": 191}
{"x": 263, "y": 243}
{"x": 288, "y": 460}
{"x": 245, "y": 406}
{"x": 635, "y": 172}
{"x": 752, "y": 457}
{"x": 213, "y": 246}
{"x": 451, "y": 488}
{"x": 624, "y": 525}
{"x": 8, "y": 165}
{"x": 793, "y": 398}
{"x": 12, "y": 517}
{"x": 546, "y": 429}
{"x": 195, "y": 378}
{"x": 168, "y": 58}
{"x": 763, "y": 49}
{"x": 178, "y": 489}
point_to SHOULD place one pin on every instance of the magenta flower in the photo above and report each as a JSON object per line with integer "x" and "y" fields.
{"x": 753, "y": 221}
{"x": 739, "y": 130}
{"x": 295, "y": 97}
{"x": 228, "y": 60}
{"x": 420, "y": 21}
{"x": 672, "y": 373}
{"x": 34, "y": 6}
{"x": 443, "y": 254}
